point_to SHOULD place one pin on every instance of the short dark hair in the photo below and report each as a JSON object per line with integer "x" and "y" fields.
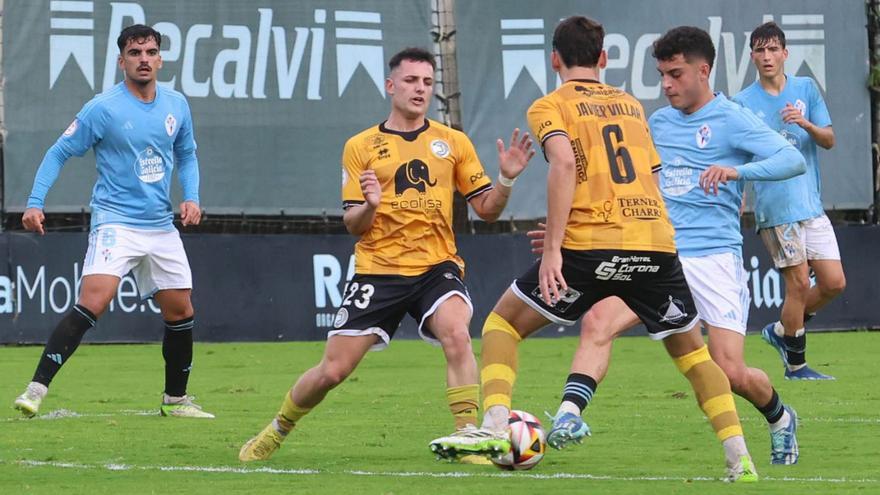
{"x": 578, "y": 41}
{"x": 691, "y": 42}
{"x": 413, "y": 54}
{"x": 137, "y": 32}
{"x": 765, "y": 33}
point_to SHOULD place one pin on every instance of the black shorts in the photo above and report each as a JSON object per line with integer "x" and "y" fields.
{"x": 376, "y": 304}
{"x": 651, "y": 283}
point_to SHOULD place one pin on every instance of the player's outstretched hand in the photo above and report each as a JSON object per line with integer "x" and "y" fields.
{"x": 536, "y": 238}
{"x": 370, "y": 188}
{"x": 190, "y": 213}
{"x": 513, "y": 160}
{"x": 550, "y": 279}
{"x": 33, "y": 220}
{"x": 712, "y": 176}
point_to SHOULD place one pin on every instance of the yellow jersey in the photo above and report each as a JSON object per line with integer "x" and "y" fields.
{"x": 418, "y": 173}
{"x": 617, "y": 204}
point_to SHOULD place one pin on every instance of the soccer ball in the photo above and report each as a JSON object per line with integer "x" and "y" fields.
{"x": 527, "y": 443}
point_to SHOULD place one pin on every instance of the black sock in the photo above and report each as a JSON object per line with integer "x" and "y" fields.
{"x": 796, "y": 349}
{"x": 774, "y": 409}
{"x": 579, "y": 389}
{"x": 63, "y": 342}
{"x": 177, "y": 349}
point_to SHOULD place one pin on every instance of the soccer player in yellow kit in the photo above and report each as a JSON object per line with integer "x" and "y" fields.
{"x": 399, "y": 178}
{"x": 608, "y": 234}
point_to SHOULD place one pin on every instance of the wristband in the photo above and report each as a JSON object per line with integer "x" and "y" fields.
{"x": 504, "y": 181}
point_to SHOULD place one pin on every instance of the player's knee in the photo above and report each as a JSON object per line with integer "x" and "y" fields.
{"x": 737, "y": 374}
{"x": 457, "y": 344}
{"x": 833, "y": 287}
{"x": 595, "y": 330}
{"x": 797, "y": 287}
{"x": 332, "y": 374}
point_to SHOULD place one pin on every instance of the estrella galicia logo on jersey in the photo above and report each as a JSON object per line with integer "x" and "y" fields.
{"x": 440, "y": 148}
{"x": 71, "y": 129}
{"x": 801, "y": 106}
{"x": 412, "y": 175}
{"x": 672, "y": 311}
{"x": 791, "y": 137}
{"x": 703, "y": 136}
{"x": 678, "y": 177}
{"x": 149, "y": 166}
{"x": 170, "y": 124}
{"x": 341, "y": 318}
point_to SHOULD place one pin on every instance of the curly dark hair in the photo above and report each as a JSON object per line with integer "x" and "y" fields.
{"x": 137, "y": 32}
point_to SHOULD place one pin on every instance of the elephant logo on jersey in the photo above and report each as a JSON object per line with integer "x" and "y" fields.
{"x": 170, "y": 124}
{"x": 412, "y": 175}
{"x": 704, "y": 135}
{"x": 801, "y": 106}
{"x": 149, "y": 166}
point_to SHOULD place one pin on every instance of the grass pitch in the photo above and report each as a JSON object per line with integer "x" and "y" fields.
{"x": 99, "y": 430}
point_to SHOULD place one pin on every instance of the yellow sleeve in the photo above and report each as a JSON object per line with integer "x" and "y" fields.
{"x": 545, "y": 120}
{"x": 352, "y": 167}
{"x": 470, "y": 178}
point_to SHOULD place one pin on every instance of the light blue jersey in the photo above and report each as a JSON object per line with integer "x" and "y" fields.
{"x": 798, "y": 198}
{"x": 136, "y": 147}
{"x": 720, "y": 133}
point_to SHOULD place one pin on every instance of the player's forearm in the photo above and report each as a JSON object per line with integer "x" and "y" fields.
{"x": 824, "y": 136}
{"x": 358, "y": 219}
{"x": 47, "y": 174}
{"x": 784, "y": 164}
{"x": 490, "y": 204}
{"x": 560, "y": 195}
{"x": 188, "y": 174}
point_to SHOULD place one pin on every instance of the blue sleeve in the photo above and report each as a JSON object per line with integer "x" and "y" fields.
{"x": 185, "y": 156}
{"x": 819, "y": 115}
{"x": 76, "y": 140}
{"x": 773, "y": 158}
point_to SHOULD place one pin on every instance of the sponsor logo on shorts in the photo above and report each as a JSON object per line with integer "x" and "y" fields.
{"x": 621, "y": 268}
{"x": 565, "y": 300}
{"x": 341, "y": 318}
{"x": 672, "y": 311}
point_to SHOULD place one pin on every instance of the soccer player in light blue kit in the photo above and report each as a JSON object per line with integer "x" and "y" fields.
{"x": 789, "y": 214}
{"x": 139, "y": 132}
{"x": 708, "y": 146}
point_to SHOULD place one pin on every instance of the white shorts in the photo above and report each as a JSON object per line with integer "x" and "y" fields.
{"x": 155, "y": 257}
{"x": 718, "y": 284}
{"x": 793, "y": 244}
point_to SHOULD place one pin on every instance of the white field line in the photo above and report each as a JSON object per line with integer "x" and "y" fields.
{"x": 411, "y": 474}
{"x": 68, "y": 414}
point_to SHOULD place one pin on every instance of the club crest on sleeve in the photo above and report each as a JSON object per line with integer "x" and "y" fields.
{"x": 71, "y": 129}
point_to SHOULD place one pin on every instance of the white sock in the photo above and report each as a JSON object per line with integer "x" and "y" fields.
{"x": 734, "y": 448}
{"x": 568, "y": 406}
{"x": 38, "y": 389}
{"x": 496, "y": 418}
{"x": 782, "y": 423}
{"x": 778, "y": 329}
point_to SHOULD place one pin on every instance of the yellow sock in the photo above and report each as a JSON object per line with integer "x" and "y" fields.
{"x": 712, "y": 389}
{"x": 464, "y": 402}
{"x": 289, "y": 414}
{"x": 499, "y": 359}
